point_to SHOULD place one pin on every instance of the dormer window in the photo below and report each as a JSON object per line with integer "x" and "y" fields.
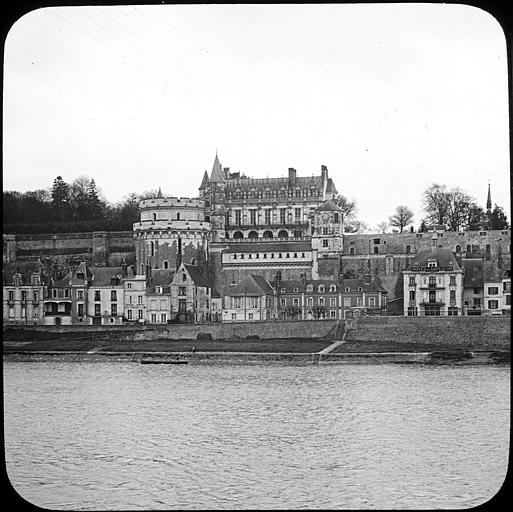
{"x": 348, "y": 289}
{"x": 321, "y": 288}
{"x": 309, "y": 288}
{"x": 432, "y": 263}
{"x": 333, "y": 287}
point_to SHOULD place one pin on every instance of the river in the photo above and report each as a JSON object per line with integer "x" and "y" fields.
{"x": 111, "y": 436}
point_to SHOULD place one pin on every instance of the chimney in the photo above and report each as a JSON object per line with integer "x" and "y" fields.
{"x": 324, "y": 173}
{"x": 292, "y": 175}
{"x": 124, "y": 270}
{"x": 179, "y": 253}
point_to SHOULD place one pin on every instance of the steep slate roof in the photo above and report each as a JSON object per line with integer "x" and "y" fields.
{"x": 353, "y": 284}
{"x": 330, "y": 187}
{"x": 197, "y": 276}
{"x": 444, "y": 258}
{"x": 492, "y": 273}
{"x": 217, "y": 172}
{"x": 264, "y": 183}
{"x": 328, "y": 206}
{"x": 281, "y": 246}
{"x": 204, "y": 182}
{"x": 473, "y": 277}
{"x": 25, "y": 268}
{"x": 84, "y": 268}
{"x": 251, "y": 286}
{"x": 102, "y": 275}
{"x": 161, "y": 277}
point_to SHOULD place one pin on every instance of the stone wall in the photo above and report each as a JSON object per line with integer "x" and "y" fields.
{"x": 481, "y": 333}
{"x": 97, "y": 248}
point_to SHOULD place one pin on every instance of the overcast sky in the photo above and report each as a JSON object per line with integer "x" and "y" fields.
{"x": 391, "y": 98}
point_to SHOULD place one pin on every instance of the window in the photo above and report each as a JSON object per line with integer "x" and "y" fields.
{"x": 493, "y": 290}
{"x": 376, "y": 250}
{"x": 139, "y": 299}
{"x": 23, "y": 296}
{"x": 325, "y": 243}
{"x": 493, "y": 304}
{"x": 325, "y": 231}
{"x": 113, "y": 310}
{"x": 140, "y": 314}
{"x": 432, "y": 281}
{"x": 182, "y": 305}
{"x": 452, "y": 311}
{"x": 309, "y": 302}
{"x": 282, "y": 302}
{"x": 321, "y": 288}
{"x": 295, "y": 302}
{"x": 80, "y": 310}
{"x": 412, "y": 294}
{"x": 358, "y": 301}
{"x": 129, "y": 286}
{"x": 182, "y": 291}
{"x": 412, "y": 311}
{"x": 412, "y": 281}
{"x": 113, "y": 295}
{"x": 452, "y": 280}
{"x": 506, "y": 286}
{"x": 333, "y": 314}
{"x": 309, "y": 287}
{"x": 347, "y": 289}
{"x": 80, "y": 294}
{"x": 408, "y": 249}
{"x": 11, "y": 295}
{"x": 372, "y": 301}
{"x": 477, "y": 302}
{"x": 333, "y": 302}
{"x": 35, "y": 296}
{"x": 347, "y": 301}
{"x": 153, "y": 318}
{"x": 234, "y": 316}
{"x": 283, "y": 212}
{"x": 238, "y": 217}
{"x": 452, "y": 295}
{"x": 129, "y": 314}
{"x": 184, "y": 277}
{"x": 250, "y": 316}
{"x": 97, "y": 310}
{"x": 54, "y": 294}
{"x": 508, "y": 300}
{"x": 477, "y": 291}
{"x": 321, "y": 301}
{"x": 431, "y": 263}
{"x": 351, "y": 250}
{"x": 166, "y": 264}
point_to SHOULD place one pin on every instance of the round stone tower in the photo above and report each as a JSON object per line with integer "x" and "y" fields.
{"x": 171, "y": 230}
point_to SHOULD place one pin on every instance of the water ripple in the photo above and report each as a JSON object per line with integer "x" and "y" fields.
{"x": 97, "y": 436}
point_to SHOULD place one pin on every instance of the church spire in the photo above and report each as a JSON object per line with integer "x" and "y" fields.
{"x": 159, "y": 193}
{"x": 489, "y": 199}
{"x": 204, "y": 182}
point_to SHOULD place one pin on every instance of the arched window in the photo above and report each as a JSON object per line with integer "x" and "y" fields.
{"x": 268, "y": 234}
{"x": 166, "y": 264}
{"x": 238, "y": 235}
{"x": 283, "y": 234}
{"x": 408, "y": 249}
{"x": 152, "y": 249}
{"x": 458, "y": 248}
{"x": 253, "y": 234}
{"x": 468, "y": 248}
{"x": 351, "y": 250}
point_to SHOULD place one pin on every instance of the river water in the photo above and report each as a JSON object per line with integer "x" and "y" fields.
{"x": 110, "y": 436}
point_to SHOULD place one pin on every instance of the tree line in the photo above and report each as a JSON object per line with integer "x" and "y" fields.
{"x": 69, "y": 207}
{"x": 80, "y": 206}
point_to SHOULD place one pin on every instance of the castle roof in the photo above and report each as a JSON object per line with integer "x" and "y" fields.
{"x": 204, "y": 182}
{"x": 275, "y": 183}
{"x": 102, "y": 276}
{"x": 328, "y": 206}
{"x": 217, "y": 172}
{"x": 330, "y": 187}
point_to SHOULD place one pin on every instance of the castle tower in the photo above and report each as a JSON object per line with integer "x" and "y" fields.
{"x": 327, "y": 241}
{"x": 213, "y": 192}
{"x": 171, "y": 230}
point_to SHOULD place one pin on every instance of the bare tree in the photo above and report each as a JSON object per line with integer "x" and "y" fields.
{"x": 347, "y": 206}
{"x": 383, "y": 227}
{"x": 401, "y": 218}
{"x": 459, "y": 204}
{"x": 436, "y": 204}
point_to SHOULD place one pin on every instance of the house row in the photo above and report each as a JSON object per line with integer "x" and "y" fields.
{"x": 118, "y": 295}
{"x": 436, "y": 283}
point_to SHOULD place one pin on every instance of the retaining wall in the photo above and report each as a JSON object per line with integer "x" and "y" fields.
{"x": 485, "y": 333}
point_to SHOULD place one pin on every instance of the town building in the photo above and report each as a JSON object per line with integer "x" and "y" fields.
{"x": 105, "y": 297}
{"x": 134, "y": 286}
{"x": 497, "y": 290}
{"x": 433, "y": 284}
{"x": 23, "y": 293}
{"x": 250, "y": 300}
{"x": 58, "y": 300}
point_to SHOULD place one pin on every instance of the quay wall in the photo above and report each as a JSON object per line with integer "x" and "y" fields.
{"x": 478, "y": 333}
{"x": 484, "y": 333}
{"x": 221, "y": 331}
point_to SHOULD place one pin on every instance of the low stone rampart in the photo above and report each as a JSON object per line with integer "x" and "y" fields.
{"x": 480, "y": 333}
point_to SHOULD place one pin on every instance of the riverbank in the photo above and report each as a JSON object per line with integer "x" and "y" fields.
{"x": 298, "y": 351}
